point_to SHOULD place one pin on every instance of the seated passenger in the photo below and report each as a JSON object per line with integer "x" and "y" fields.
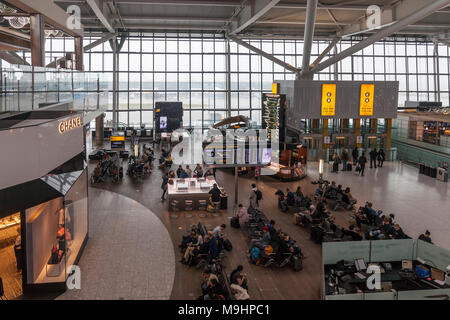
{"x": 238, "y": 273}
{"x": 426, "y": 237}
{"x": 198, "y": 171}
{"x": 351, "y": 233}
{"x": 191, "y": 247}
{"x": 397, "y": 233}
{"x": 271, "y": 226}
{"x": 208, "y": 173}
{"x": 214, "y": 291}
{"x": 264, "y": 241}
{"x": 290, "y": 197}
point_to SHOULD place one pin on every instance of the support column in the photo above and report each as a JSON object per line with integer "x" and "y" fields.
{"x": 388, "y": 133}
{"x": 37, "y": 40}
{"x": 344, "y": 125}
{"x": 311, "y": 9}
{"x": 325, "y": 133}
{"x": 79, "y": 53}
{"x": 99, "y": 130}
{"x": 115, "y": 78}
{"x": 315, "y": 123}
{"x": 228, "y": 81}
{"x": 357, "y": 128}
{"x": 373, "y": 126}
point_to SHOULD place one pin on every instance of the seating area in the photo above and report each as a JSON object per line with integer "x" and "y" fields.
{"x": 270, "y": 247}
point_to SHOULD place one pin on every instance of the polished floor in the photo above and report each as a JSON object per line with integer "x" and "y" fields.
{"x": 129, "y": 254}
{"x": 122, "y": 246}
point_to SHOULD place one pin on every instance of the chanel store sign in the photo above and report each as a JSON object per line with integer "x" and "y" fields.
{"x": 70, "y": 124}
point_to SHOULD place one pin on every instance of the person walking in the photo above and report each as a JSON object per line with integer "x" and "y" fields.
{"x": 362, "y": 164}
{"x": 165, "y": 181}
{"x": 355, "y": 154}
{"x": 373, "y": 157}
{"x": 381, "y": 157}
{"x": 255, "y": 196}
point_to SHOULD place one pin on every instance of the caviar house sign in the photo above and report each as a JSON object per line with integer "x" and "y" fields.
{"x": 70, "y": 124}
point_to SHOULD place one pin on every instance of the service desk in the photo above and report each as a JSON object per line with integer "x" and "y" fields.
{"x": 189, "y": 189}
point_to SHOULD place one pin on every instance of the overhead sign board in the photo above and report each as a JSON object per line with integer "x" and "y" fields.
{"x": 367, "y": 97}
{"x": 328, "y": 99}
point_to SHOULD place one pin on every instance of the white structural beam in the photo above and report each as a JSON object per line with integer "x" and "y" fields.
{"x": 325, "y": 52}
{"x": 99, "y": 10}
{"x": 52, "y": 13}
{"x": 208, "y": 3}
{"x": 388, "y": 16}
{"x": 264, "y": 54}
{"x": 309, "y": 33}
{"x": 419, "y": 14}
{"x": 12, "y": 58}
{"x": 251, "y": 13}
{"x": 171, "y": 18}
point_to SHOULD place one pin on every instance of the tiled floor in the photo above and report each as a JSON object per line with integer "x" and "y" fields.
{"x": 418, "y": 202}
{"x": 129, "y": 254}
{"x": 140, "y": 236}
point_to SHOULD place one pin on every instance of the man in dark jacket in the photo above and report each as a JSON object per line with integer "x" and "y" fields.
{"x": 381, "y": 156}
{"x": 426, "y": 237}
{"x": 373, "y": 157}
{"x": 362, "y": 164}
{"x": 355, "y": 155}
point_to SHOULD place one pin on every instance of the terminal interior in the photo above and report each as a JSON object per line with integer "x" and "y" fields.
{"x": 224, "y": 150}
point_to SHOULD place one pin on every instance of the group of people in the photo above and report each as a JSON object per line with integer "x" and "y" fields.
{"x": 212, "y": 288}
{"x": 197, "y": 173}
{"x": 360, "y": 161}
{"x": 107, "y": 168}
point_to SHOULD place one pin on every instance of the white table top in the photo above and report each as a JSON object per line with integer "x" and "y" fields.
{"x": 173, "y": 188}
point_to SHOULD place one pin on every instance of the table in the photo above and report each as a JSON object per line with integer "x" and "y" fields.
{"x": 192, "y": 190}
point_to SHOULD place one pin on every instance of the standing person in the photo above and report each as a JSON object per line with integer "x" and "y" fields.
{"x": 336, "y": 161}
{"x": 373, "y": 158}
{"x": 255, "y": 196}
{"x": 242, "y": 215}
{"x": 165, "y": 181}
{"x": 215, "y": 194}
{"x": 344, "y": 158}
{"x": 381, "y": 156}
{"x": 355, "y": 154}
{"x": 18, "y": 251}
{"x": 188, "y": 171}
{"x": 362, "y": 163}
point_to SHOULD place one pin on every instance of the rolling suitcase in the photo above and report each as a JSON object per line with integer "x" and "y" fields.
{"x": 234, "y": 222}
{"x": 349, "y": 167}
{"x": 297, "y": 263}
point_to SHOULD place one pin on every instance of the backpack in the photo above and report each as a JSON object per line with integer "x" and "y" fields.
{"x": 268, "y": 250}
{"x": 258, "y": 195}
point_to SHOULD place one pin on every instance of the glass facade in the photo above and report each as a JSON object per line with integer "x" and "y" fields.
{"x": 193, "y": 69}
